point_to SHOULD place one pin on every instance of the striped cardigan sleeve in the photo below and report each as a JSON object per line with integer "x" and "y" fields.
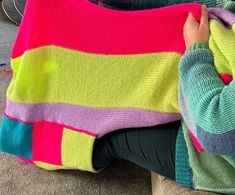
{"x": 207, "y": 104}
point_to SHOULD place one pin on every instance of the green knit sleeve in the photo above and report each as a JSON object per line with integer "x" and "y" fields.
{"x": 209, "y": 101}
{"x": 198, "y": 45}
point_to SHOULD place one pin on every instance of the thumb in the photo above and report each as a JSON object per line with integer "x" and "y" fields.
{"x": 191, "y": 21}
{"x": 191, "y": 17}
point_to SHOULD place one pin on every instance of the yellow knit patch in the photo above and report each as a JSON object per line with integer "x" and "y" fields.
{"x": 222, "y": 51}
{"x": 55, "y": 74}
{"x": 48, "y": 166}
{"x": 77, "y": 149}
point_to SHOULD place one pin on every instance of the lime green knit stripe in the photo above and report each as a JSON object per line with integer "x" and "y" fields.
{"x": 183, "y": 170}
{"x": 126, "y": 76}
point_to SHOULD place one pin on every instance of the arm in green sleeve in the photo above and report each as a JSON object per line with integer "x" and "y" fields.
{"x": 211, "y": 103}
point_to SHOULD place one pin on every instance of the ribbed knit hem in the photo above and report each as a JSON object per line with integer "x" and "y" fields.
{"x": 198, "y": 45}
{"x": 182, "y": 167}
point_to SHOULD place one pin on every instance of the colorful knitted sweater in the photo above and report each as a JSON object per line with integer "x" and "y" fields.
{"x": 202, "y": 93}
{"x": 82, "y": 71}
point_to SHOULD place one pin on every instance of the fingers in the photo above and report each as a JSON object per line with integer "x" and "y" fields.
{"x": 204, "y": 16}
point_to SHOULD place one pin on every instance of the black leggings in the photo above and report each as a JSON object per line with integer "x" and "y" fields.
{"x": 150, "y": 147}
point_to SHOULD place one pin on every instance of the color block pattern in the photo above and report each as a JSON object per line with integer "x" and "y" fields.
{"x": 77, "y": 150}
{"x": 97, "y": 120}
{"x": 93, "y": 70}
{"x": 48, "y": 145}
{"x": 99, "y": 81}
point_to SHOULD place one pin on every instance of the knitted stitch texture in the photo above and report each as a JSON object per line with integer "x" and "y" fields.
{"x": 206, "y": 101}
{"x": 150, "y": 4}
{"x": 203, "y": 171}
{"x": 76, "y": 79}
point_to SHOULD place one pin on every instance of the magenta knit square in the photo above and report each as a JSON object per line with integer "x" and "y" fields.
{"x": 47, "y": 138}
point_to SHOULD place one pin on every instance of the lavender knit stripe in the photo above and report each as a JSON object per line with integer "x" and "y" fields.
{"x": 223, "y": 16}
{"x": 95, "y": 120}
{"x": 217, "y": 143}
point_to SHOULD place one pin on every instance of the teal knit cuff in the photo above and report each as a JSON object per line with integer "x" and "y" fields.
{"x": 198, "y": 45}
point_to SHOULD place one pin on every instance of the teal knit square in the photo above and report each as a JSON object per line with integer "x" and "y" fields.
{"x": 16, "y": 138}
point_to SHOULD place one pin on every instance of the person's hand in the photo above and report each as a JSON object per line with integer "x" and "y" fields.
{"x": 194, "y": 31}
